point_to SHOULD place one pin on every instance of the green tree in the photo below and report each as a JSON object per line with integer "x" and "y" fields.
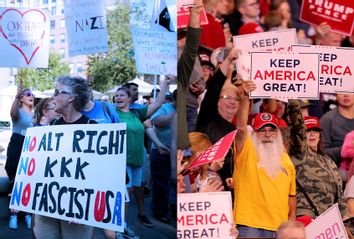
{"x": 118, "y": 65}
{"x": 43, "y": 78}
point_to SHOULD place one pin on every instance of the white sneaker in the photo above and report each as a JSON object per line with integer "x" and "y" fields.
{"x": 13, "y": 222}
{"x": 129, "y": 233}
{"x": 119, "y": 235}
{"x": 28, "y": 220}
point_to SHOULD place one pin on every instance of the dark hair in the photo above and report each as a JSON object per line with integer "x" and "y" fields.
{"x": 78, "y": 87}
{"x": 40, "y": 108}
{"x": 125, "y": 89}
{"x": 129, "y": 84}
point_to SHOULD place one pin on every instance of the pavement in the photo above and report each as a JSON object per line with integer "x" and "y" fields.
{"x": 158, "y": 231}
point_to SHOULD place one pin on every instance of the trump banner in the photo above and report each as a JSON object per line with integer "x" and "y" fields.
{"x": 328, "y": 225}
{"x": 215, "y": 152}
{"x": 86, "y": 27}
{"x": 155, "y": 51}
{"x": 336, "y": 67}
{"x": 73, "y": 173}
{"x": 204, "y": 215}
{"x": 285, "y": 75}
{"x": 339, "y": 14}
{"x": 24, "y": 37}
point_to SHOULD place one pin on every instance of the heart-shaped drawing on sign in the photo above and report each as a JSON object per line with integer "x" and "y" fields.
{"x": 24, "y": 30}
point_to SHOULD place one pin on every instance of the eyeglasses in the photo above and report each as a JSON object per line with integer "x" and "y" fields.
{"x": 28, "y": 94}
{"x": 229, "y": 98}
{"x": 57, "y": 92}
{"x": 263, "y": 132}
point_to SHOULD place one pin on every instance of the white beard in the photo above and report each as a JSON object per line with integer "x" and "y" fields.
{"x": 269, "y": 154}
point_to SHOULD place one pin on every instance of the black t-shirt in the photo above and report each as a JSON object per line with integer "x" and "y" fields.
{"x": 82, "y": 120}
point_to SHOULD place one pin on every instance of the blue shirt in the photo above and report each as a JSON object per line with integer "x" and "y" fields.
{"x": 163, "y": 133}
{"x": 25, "y": 120}
{"x": 100, "y": 115}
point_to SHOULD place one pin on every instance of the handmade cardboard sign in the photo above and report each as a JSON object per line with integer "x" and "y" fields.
{"x": 73, "y": 173}
{"x": 285, "y": 75}
{"x": 155, "y": 51}
{"x": 215, "y": 152}
{"x": 266, "y": 41}
{"x": 328, "y": 225}
{"x": 86, "y": 27}
{"x": 204, "y": 215}
{"x": 24, "y": 37}
{"x": 339, "y": 14}
{"x": 336, "y": 67}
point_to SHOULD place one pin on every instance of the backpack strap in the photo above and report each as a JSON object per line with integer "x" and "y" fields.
{"x": 105, "y": 108}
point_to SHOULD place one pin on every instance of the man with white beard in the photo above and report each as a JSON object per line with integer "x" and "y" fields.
{"x": 264, "y": 176}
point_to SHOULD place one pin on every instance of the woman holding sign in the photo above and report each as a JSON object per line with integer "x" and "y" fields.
{"x": 70, "y": 96}
{"x": 21, "y": 116}
{"x": 135, "y": 140}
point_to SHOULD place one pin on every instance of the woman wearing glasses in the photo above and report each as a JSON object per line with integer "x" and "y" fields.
{"x": 70, "y": 96}
{"x": 22, "y": 117}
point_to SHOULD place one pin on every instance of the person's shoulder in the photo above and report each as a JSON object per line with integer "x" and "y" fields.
{"x": 329, "y": 115}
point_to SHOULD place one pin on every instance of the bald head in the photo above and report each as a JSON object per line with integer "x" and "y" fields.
{"x": 291, "y": 230}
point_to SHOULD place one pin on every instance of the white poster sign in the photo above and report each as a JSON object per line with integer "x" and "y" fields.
{"x": 336, "y": 67}
{"x": 266, "y": 41}
{"x": 73, "y": 173}
{"x": 24, "y": 37}
{"x": 86, "y": 27}
{"x": 328, "y": 225}
{"x": 201, "y": 215}
{"x": 285, "y": 75}
{"x": 155, "y": 51}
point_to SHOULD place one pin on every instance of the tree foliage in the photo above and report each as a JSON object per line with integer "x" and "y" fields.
{"x": 118, "y": 65}
{"x": 43, "y": 78}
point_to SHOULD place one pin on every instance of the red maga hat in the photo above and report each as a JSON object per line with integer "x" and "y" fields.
{"x": 312, "y": 123}
{"x": 263, "y": 119}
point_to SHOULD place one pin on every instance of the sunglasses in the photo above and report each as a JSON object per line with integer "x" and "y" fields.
{"x": 57, "y": 92}
{"x": 28, "y": 94}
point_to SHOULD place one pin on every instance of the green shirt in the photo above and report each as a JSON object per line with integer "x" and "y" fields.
{"x": 135, "y": 135}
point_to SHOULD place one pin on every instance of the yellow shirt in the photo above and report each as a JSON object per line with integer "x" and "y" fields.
{"x": 261, "y": 201}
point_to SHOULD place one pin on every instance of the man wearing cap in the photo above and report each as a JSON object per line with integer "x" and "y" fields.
{"x": 264, "y": 176}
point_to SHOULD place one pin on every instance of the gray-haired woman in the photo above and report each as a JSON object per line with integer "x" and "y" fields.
{"x": 70, "y": 96}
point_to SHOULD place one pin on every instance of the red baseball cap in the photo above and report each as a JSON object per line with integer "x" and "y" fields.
{"x": 263, "y": 119}
{"x": 250, "y": 28}
{"x": 306, "y": 220}
{"x": 312, "y": 123}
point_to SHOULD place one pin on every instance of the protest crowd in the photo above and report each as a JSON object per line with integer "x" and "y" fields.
{"x": 289, "y": 158}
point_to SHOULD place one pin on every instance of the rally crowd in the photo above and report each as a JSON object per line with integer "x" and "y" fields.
{"x": 289, "y": 160}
